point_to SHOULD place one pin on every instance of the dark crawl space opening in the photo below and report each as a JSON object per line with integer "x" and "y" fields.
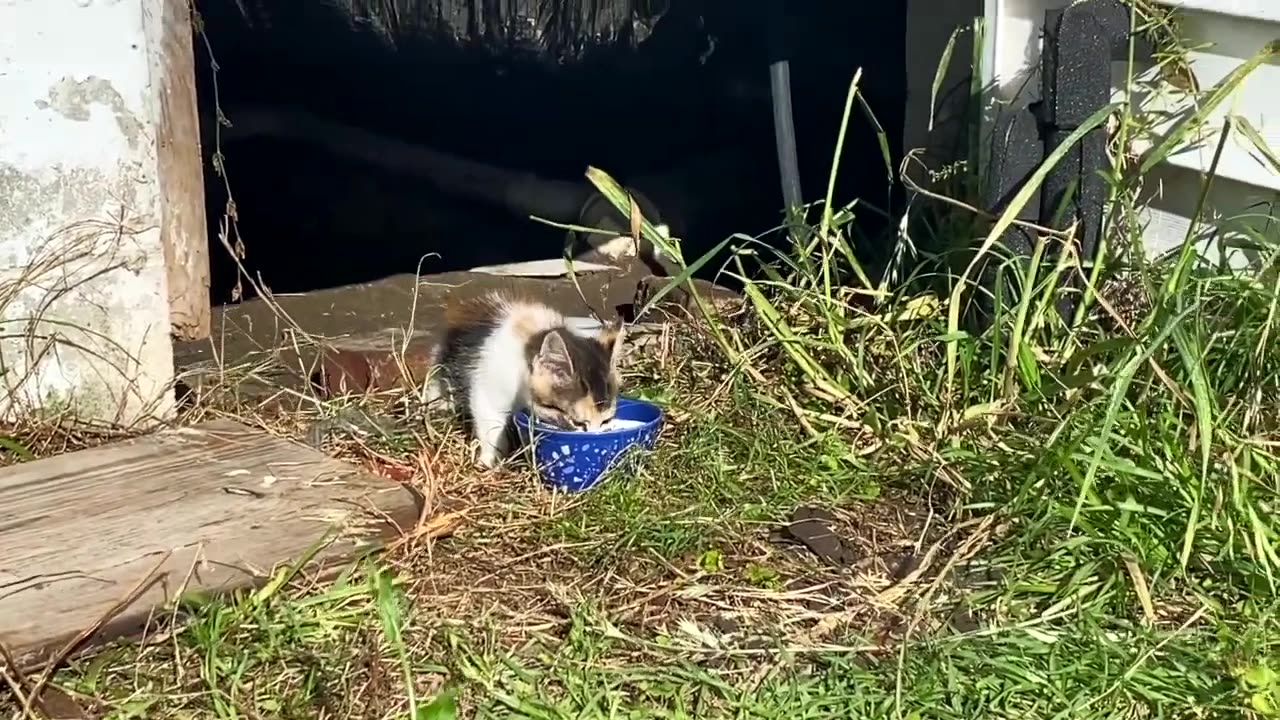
{"x": 669, "y": 96}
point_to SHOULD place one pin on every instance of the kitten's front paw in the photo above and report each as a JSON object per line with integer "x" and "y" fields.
{"x": 488, "y": 459}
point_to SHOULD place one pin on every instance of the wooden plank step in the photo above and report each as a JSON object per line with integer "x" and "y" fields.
{"x": 227, "y": 503}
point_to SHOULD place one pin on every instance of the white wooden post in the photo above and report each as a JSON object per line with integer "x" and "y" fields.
{"x": 84, "y": 296}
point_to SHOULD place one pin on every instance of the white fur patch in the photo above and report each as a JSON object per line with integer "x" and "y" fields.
{"x": 499, "y": 379}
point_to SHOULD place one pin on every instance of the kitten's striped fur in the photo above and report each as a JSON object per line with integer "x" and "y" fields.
{"x": 500, "y": 353}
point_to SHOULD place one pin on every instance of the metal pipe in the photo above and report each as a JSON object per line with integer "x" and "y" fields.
{"x": 784, "y": 132}
{"x": 784, "y": 126}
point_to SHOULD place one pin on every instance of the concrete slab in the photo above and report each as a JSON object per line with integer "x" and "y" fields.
{"x": 378, "y": 335}
{"x": 394, "y": 317}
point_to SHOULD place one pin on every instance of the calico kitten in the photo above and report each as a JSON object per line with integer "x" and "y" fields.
{"x": 501, "y": 353}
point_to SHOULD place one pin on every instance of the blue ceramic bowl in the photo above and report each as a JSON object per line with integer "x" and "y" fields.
{"x": 574, "y": 460}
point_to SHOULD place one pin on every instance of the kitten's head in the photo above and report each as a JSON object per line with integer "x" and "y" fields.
{"x": 573, "y": 381}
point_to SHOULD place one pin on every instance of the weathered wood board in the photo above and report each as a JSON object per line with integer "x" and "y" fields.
{"x": 79, "y": 532}
{"x": 183, "y": 228}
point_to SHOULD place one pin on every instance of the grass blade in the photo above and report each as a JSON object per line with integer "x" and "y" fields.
{"x": 940, "y": 73}
{"x": 1176, "y": 137}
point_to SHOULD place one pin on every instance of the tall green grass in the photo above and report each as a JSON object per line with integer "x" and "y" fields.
{"x": 1134, "y": 463}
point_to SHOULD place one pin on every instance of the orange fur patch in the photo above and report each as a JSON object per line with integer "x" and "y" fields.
{"x": 542, "y": 389}
{"x": 613, "y": 336}
{"x": 465, "y": 312}
{"x": 527, "y": 320}
{"x": 610, "y": 333}
{"x": 484, "y": 309}
{"x": 586, "y": 408}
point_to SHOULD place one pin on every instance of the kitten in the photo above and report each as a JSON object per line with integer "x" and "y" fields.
{"x": 500, "y": 354}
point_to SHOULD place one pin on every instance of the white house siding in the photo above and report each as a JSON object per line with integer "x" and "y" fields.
{"x": 1245, "y": 189}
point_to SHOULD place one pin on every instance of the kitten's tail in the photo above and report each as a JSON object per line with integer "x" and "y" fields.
{"x": 462, "y": 311}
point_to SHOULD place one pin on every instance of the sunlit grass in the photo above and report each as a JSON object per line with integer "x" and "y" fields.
{"x": 1093, "y": 502}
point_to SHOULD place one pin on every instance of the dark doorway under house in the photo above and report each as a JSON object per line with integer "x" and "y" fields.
{"x": 687, "y": 111}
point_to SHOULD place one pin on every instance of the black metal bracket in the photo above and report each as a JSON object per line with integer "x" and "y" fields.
{"x": 1075, "y": 76}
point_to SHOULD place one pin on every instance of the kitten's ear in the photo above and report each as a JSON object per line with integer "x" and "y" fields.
{"x": 612, "y": 337}
{"x": 553, "y": 357}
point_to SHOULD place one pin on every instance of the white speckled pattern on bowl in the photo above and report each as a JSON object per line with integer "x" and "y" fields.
{"x": 575, "y": 461}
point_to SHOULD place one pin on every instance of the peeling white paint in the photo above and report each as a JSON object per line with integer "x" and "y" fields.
{"x": 84, "y": 316}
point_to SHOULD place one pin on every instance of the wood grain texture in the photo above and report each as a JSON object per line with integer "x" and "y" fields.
{"x": 183, "y": 228}
{"x": 80, "y": 531}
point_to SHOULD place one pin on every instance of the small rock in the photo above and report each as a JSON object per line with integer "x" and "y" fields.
{"x": 809, "y": 526}
{"x": 806, "y": 512}
{"x": 725, "y": 624}
{"x": 903, "y": 565}
{"x": 963, "y": 621}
